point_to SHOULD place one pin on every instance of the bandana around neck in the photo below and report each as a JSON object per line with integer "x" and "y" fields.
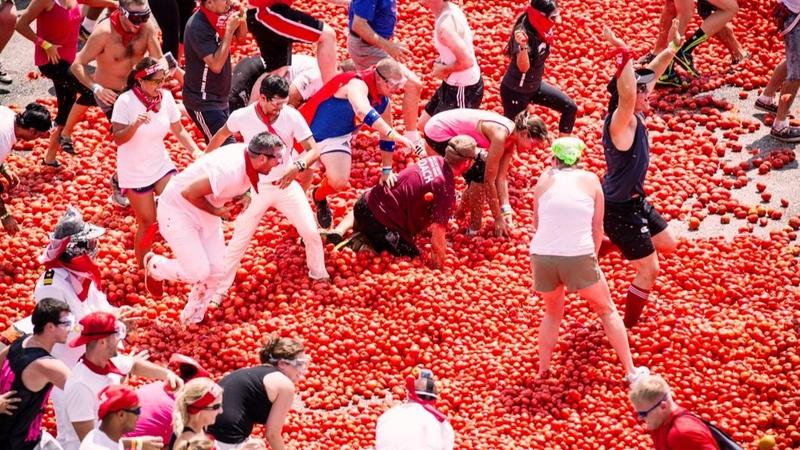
{"x": 541, "y": 23}
{"x": 109, "y": 367}
{"x": 218, "y": 21}
{"x": 150, "y": 103}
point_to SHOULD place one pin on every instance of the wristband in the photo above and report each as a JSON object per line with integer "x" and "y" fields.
{"x": 673, "y": 47}
{"x": 46, "y": 45}
{"x": 301, "y": 165}
{"x": 96, "y": 88}
{"x": 622, "y": 55}
{"x": 390, "y": 133}
{"x": 371, "y": 117}
{"x": 386, "y": 170}
{"x": 386, "y": 146}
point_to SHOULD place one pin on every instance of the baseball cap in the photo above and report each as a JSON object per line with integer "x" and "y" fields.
{"x": 116, "y": 398}
{"x": 568, "y": 149}
{"x": 72, "y": 224}
{"x": 643, "y": 76}
{"x": 188, "y": 368}
{"x": 94, "y": 326}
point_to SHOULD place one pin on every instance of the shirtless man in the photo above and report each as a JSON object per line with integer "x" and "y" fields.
{"x": 115, "y": 45}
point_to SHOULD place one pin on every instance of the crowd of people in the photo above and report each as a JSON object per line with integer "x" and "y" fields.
{"x": 269, "y": 124}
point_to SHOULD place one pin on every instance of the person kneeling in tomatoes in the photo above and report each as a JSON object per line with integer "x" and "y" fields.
{"x": 388, "y": 218}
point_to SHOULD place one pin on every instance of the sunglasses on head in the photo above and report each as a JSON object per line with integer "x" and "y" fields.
{"x": 394, "y": 84}
{"x": 136, "y": 17}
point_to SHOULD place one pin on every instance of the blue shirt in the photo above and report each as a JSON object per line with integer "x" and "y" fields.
{"x": 335, "y": 117}
{"x": 380, "y": 14}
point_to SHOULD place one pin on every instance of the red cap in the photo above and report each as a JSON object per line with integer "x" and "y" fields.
{"x": 94, "y": 326}
{"x": 188, "y": 368}
{"x": 116, "y": 398}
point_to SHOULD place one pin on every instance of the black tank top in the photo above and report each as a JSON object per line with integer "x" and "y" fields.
{"x": 538, "y": 51}
{"x": 244, "y": 404}
{"x": 625, "y": 171}
{"x": 23, "y": 430}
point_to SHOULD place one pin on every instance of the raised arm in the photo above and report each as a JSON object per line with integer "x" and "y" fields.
{"x": 449, "y": 36}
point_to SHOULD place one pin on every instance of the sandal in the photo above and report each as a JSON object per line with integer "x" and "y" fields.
{"x": 55, "y": 164}
{"x": 65, "y": 142}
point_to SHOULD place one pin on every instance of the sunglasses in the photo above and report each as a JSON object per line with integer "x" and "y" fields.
{"x": 136, "y": 17}
{"x": 214, "y": 407}
{"x": 121, "y": 331}
{"x": 643, "y": 414}
{"x": 275, "y": 101}
{"x": 394, "y": 84}
{"x": 157, "y": 81}
{"x": 136, "y": 411}
{"x": 67, "y": 323}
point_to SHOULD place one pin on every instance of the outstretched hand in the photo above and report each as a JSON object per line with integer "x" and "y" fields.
{"x": 612, "y": 38}
{"x": 673, "y": 35}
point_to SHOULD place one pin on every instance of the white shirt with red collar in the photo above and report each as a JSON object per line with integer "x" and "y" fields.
{"x": 98, "y": 440}
{"x": 7, "y": 136}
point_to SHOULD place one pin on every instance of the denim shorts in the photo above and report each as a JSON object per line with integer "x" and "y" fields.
{"x": 792, "y": 42}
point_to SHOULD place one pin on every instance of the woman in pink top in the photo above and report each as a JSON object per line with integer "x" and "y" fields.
{"x": 58, "y": 23}
{"x": 500, "y": 137}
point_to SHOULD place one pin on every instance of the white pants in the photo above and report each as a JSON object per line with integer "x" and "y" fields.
{"x": 292, "y": 203}
{"x": 198, "y": 245}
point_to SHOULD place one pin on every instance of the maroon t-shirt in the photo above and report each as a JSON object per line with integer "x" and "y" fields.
{"x": 405, "y": 208}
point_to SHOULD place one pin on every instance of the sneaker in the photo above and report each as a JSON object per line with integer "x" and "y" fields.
{"x": 787, "y": 134}
{"x": 324, "y": 214}
{"x": 154, "y": 287}
{"x": 638, "y": 374}
{"x": 647, "y": 59}
{"x": 767, "y": 107}
{"x": 4, "y": 77}
{"x": 196, "y": 306}
{"x": 216, "y": 300}
{"x": 117, "y": 196}
{"x": 65, "y": 142}
{"x": 686, "y": 60}
{"x": 332, "y": 237}
{"x": 670, "y": 78}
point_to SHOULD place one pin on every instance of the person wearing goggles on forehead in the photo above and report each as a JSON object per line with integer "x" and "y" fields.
{"x": 33, "y": 123}
{"x": 670, "y": 425}
{"x": 337, "y": 111}
{"x": 190, "y": 213}
{"x": 416, "y": 424}
{"x": 143, "y": 115}
{"x": 532, "y": 38}
{"x": 99, "y": 367}
{"x": 424, "y": 197}
{"x": 277, "y": 189}
{"x": 116, "y": 45}
{"x": 207, "y": 48}
{"x": 118, "y": 411}
{"x": 260, "y": 395}
{"x": 488, "y": 177}
{"x": 630, "y": 221}
{"x": 29, "y": 372}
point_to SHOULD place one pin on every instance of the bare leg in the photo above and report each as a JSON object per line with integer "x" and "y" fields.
{"x": 411, "y": 93}
{"x": 728, "y": 39}
{"x": 346, "y": 224}
{"x": 8, "y": 20}
{"x": 548, "y": 330}
{"x": 52, "y": 147}
{"x": 726, "y": 10}
{"x": 600, "y": 299}
{"x": 144, "y": 208}
{"x": 326, "y": 53}
{"x": 776, "y": 80}
{"x": 788, "y": 92}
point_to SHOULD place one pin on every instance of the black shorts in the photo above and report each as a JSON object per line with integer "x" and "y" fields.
{"x": 89, "y": 99}
{"x": 244, "y": 77}
{"x": 275, "y": 29}
{"x": 449, "y": 97}
{"x": 704, "y": 8}
{"x": 380, "y": 237}
{"x": 631, "y": 226}
{"x": 438, "y": 147}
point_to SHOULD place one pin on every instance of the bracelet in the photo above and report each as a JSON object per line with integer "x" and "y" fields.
{"x": 301, "y": 165}
{"x": 138, "y": 443}
{"x": 386, "y": 146}
{"x": 96, "y": 88}
{"x": 386, "y": 170}
{"x": 5, "y": 216}
{"x": 46, "y": 45}
{"x": 390, "y": 133}
{"x": 673, "y": 47}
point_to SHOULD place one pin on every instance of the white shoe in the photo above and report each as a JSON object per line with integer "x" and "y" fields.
{"x": 638, "y": 374}
{"x": 196, "y": 306}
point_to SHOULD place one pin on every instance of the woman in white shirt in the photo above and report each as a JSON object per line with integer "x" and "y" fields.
{"x": 568, "y": 231}
{"x": 143, "y": 115}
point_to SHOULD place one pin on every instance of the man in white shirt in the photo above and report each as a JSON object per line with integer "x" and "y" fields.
{"x": 277, "y": 189}
{"x": 457, "y": 67}
{"x": 100, "y": 367}
{"x": 33, "y": 123}
{"x": 190, "y": 213}
{"x": 416, "y": 424}
{"x": 118, "y": 413}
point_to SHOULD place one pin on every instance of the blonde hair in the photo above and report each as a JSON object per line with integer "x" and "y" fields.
{"x": 279, "y": 348}
{"x": 459, "y": 148}
{"x": 199, "y": 442}
{"x": 648, "y": 389}
{"x": 189, "y": 393}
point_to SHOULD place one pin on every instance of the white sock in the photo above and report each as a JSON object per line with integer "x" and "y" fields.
{"x": 88, "y": 24}
{"x": 412, "y": 136}
{"x": 766, "y": 99}
{"x": 779, "y": 125}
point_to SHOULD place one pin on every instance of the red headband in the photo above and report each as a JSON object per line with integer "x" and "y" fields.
{"x": 147, "y": 71}
{"x": 207, "y": 399}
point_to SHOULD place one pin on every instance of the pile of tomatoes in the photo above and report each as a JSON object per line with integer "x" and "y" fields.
{"x": 722, "y": 327}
